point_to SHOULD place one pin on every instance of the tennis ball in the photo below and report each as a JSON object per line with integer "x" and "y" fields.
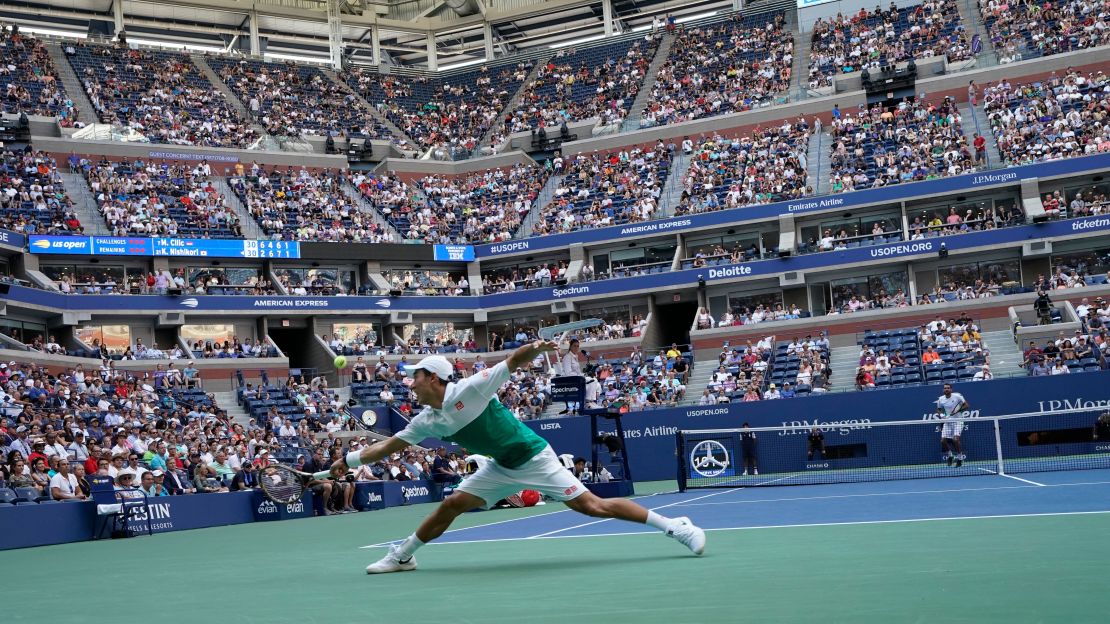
{"x": 340, "y": 361}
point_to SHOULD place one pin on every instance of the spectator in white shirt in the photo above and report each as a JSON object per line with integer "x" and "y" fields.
{"x": 63, "y": 484}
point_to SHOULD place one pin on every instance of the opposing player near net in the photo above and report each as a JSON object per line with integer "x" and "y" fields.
{"x": 469, "y": 414}
{"x": 950, "y": 404}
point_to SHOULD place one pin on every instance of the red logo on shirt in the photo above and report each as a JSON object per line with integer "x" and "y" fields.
{"x": 459, "y": 405}
{"x": 570, "y": 490}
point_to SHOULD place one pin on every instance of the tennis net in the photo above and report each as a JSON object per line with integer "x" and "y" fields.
{"x": 803, "y": 453}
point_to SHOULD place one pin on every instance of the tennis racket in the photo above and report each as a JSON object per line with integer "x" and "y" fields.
{"x": 283, "y": 485}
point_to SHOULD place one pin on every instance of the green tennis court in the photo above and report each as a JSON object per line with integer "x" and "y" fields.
{"x": 971, "y": 549}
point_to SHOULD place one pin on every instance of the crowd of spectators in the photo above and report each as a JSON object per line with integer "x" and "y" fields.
{"x": 32, "y": 198}
{"x": 723, "y": 67}
{"x": 161, "y": 95}
{"x": 873, "y": 39}
{"x": 150, "y": 430}
{"x": 449, "y": 114}
{"x": 1060, "y": 117}
{"x": 432, "y": 283}
{"x": 485, "y": 206}
{"x": 305, "y": 206}
{"x": 1025, "y": 29}
{"x": 880, "y": 146}
{"x": 937, "y": 223}
{"x": 577, "y": 84}
{"x": 391, "y": 196}
{"x": 768, "y": 166}
{"x": 519, "y": 278}
{"x": 750, "y": 315}
{"x": 30, "y": 80}
{"x": 148, "y": 198}
{"x": 598, "y": 190}
{"x": 292, "y": 99}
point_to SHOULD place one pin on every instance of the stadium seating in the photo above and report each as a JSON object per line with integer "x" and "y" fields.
{"x": 32, "y": 198}
{"x": 583, "y": 83}
{"x": 913, "y": 141}
{"x": 880, "y": 38}
{"x": 302, "y": 206}
{"x": 486, "y": 206}
{"x": 1061, "y": 117}
{"x": 606, "y": 189}
{"x": 293, "y": 99}
{"x": 722, "y": 67}
{"x": 31, "y": 83}
{"x": 161, "y": 95}
{"x": 729, "y": 173}
{"x": 449, "y": 113}
{"x": 1029, "y": 30}
{"x": 144, "y": 198}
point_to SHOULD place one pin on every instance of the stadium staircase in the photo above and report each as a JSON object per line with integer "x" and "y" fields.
{"x": 511, "y": 105}
{"x": 542, "y": 200}
{"x": 84, "y": 203}
{"x": 672, "y": 190}
{"x": 221, "y": 86}
{"x": 819, "y": 161}
{"x": 975, "y": 120}
{"x": 247, "y": 222}
{"x": 803, "y": 45}
{"x": 365, "y": 206}
{"x": 1005, "y": 354}
{"x": 632, "y": 122}
{"x": 86, "y": 114}
{"x": 229, "y": 402}
{"x": 700, "y": 376}
{"x": 843, "y": 361}
{"x": 973, "y": 21}
{"x": 394, "y": 129}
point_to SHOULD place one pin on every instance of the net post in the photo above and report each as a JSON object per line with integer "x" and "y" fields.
{"x": 998, "y": 446}
{"x": 679, "y": 450}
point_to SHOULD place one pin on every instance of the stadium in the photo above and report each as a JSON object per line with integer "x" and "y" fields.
{"x": 789, "y": 279}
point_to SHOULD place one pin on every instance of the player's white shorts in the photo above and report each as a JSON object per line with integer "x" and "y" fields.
{"x": 952, "y": 429}
{"x": 543, "y": 473}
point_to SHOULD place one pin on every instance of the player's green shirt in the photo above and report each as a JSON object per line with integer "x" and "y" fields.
{"x": 473, "y": 417}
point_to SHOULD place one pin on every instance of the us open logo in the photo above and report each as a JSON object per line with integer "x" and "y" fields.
{"x": 709, "y": 458}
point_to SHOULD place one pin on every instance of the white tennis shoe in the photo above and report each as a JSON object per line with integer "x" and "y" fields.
{"x": 392, "y": 563}
{"x": 687, "y": 534}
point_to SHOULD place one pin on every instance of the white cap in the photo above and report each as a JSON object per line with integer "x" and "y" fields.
{"x": 436, "y": 365}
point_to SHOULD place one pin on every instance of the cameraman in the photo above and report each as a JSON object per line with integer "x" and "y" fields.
{"x": 1043, "y": 307}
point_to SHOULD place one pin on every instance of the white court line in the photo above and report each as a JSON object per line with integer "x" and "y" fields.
{"x": 795, "y": 526}
{"x": 873, "y": 494}
{"x": 578, "y": 526}
{"x": 520, "y": 519}
{"x": 1022, "y": 480}
{"x": 762, "y": 500}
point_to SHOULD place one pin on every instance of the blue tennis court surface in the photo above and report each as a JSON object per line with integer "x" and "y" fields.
{"x": 922, "y": 500}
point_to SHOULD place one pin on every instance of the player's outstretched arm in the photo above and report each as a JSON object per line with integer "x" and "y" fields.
{"x": 527, "y": 352}
{"x": 370, "y": 454}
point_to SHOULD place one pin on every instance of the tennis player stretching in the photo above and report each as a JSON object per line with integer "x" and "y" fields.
{"x": 469, "y": 414}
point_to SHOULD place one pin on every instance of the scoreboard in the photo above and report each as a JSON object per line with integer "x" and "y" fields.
{"x": 170, "y": 247}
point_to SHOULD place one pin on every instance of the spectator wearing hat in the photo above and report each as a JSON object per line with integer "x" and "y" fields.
{"x": 38, "y": 446}
{"x": 772, "y": 392}
{"x": 125, "y": 481}
{"x": 77, "y": 451}
{"x": 245, "y": 479}
{"x": 20, "y": 442}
